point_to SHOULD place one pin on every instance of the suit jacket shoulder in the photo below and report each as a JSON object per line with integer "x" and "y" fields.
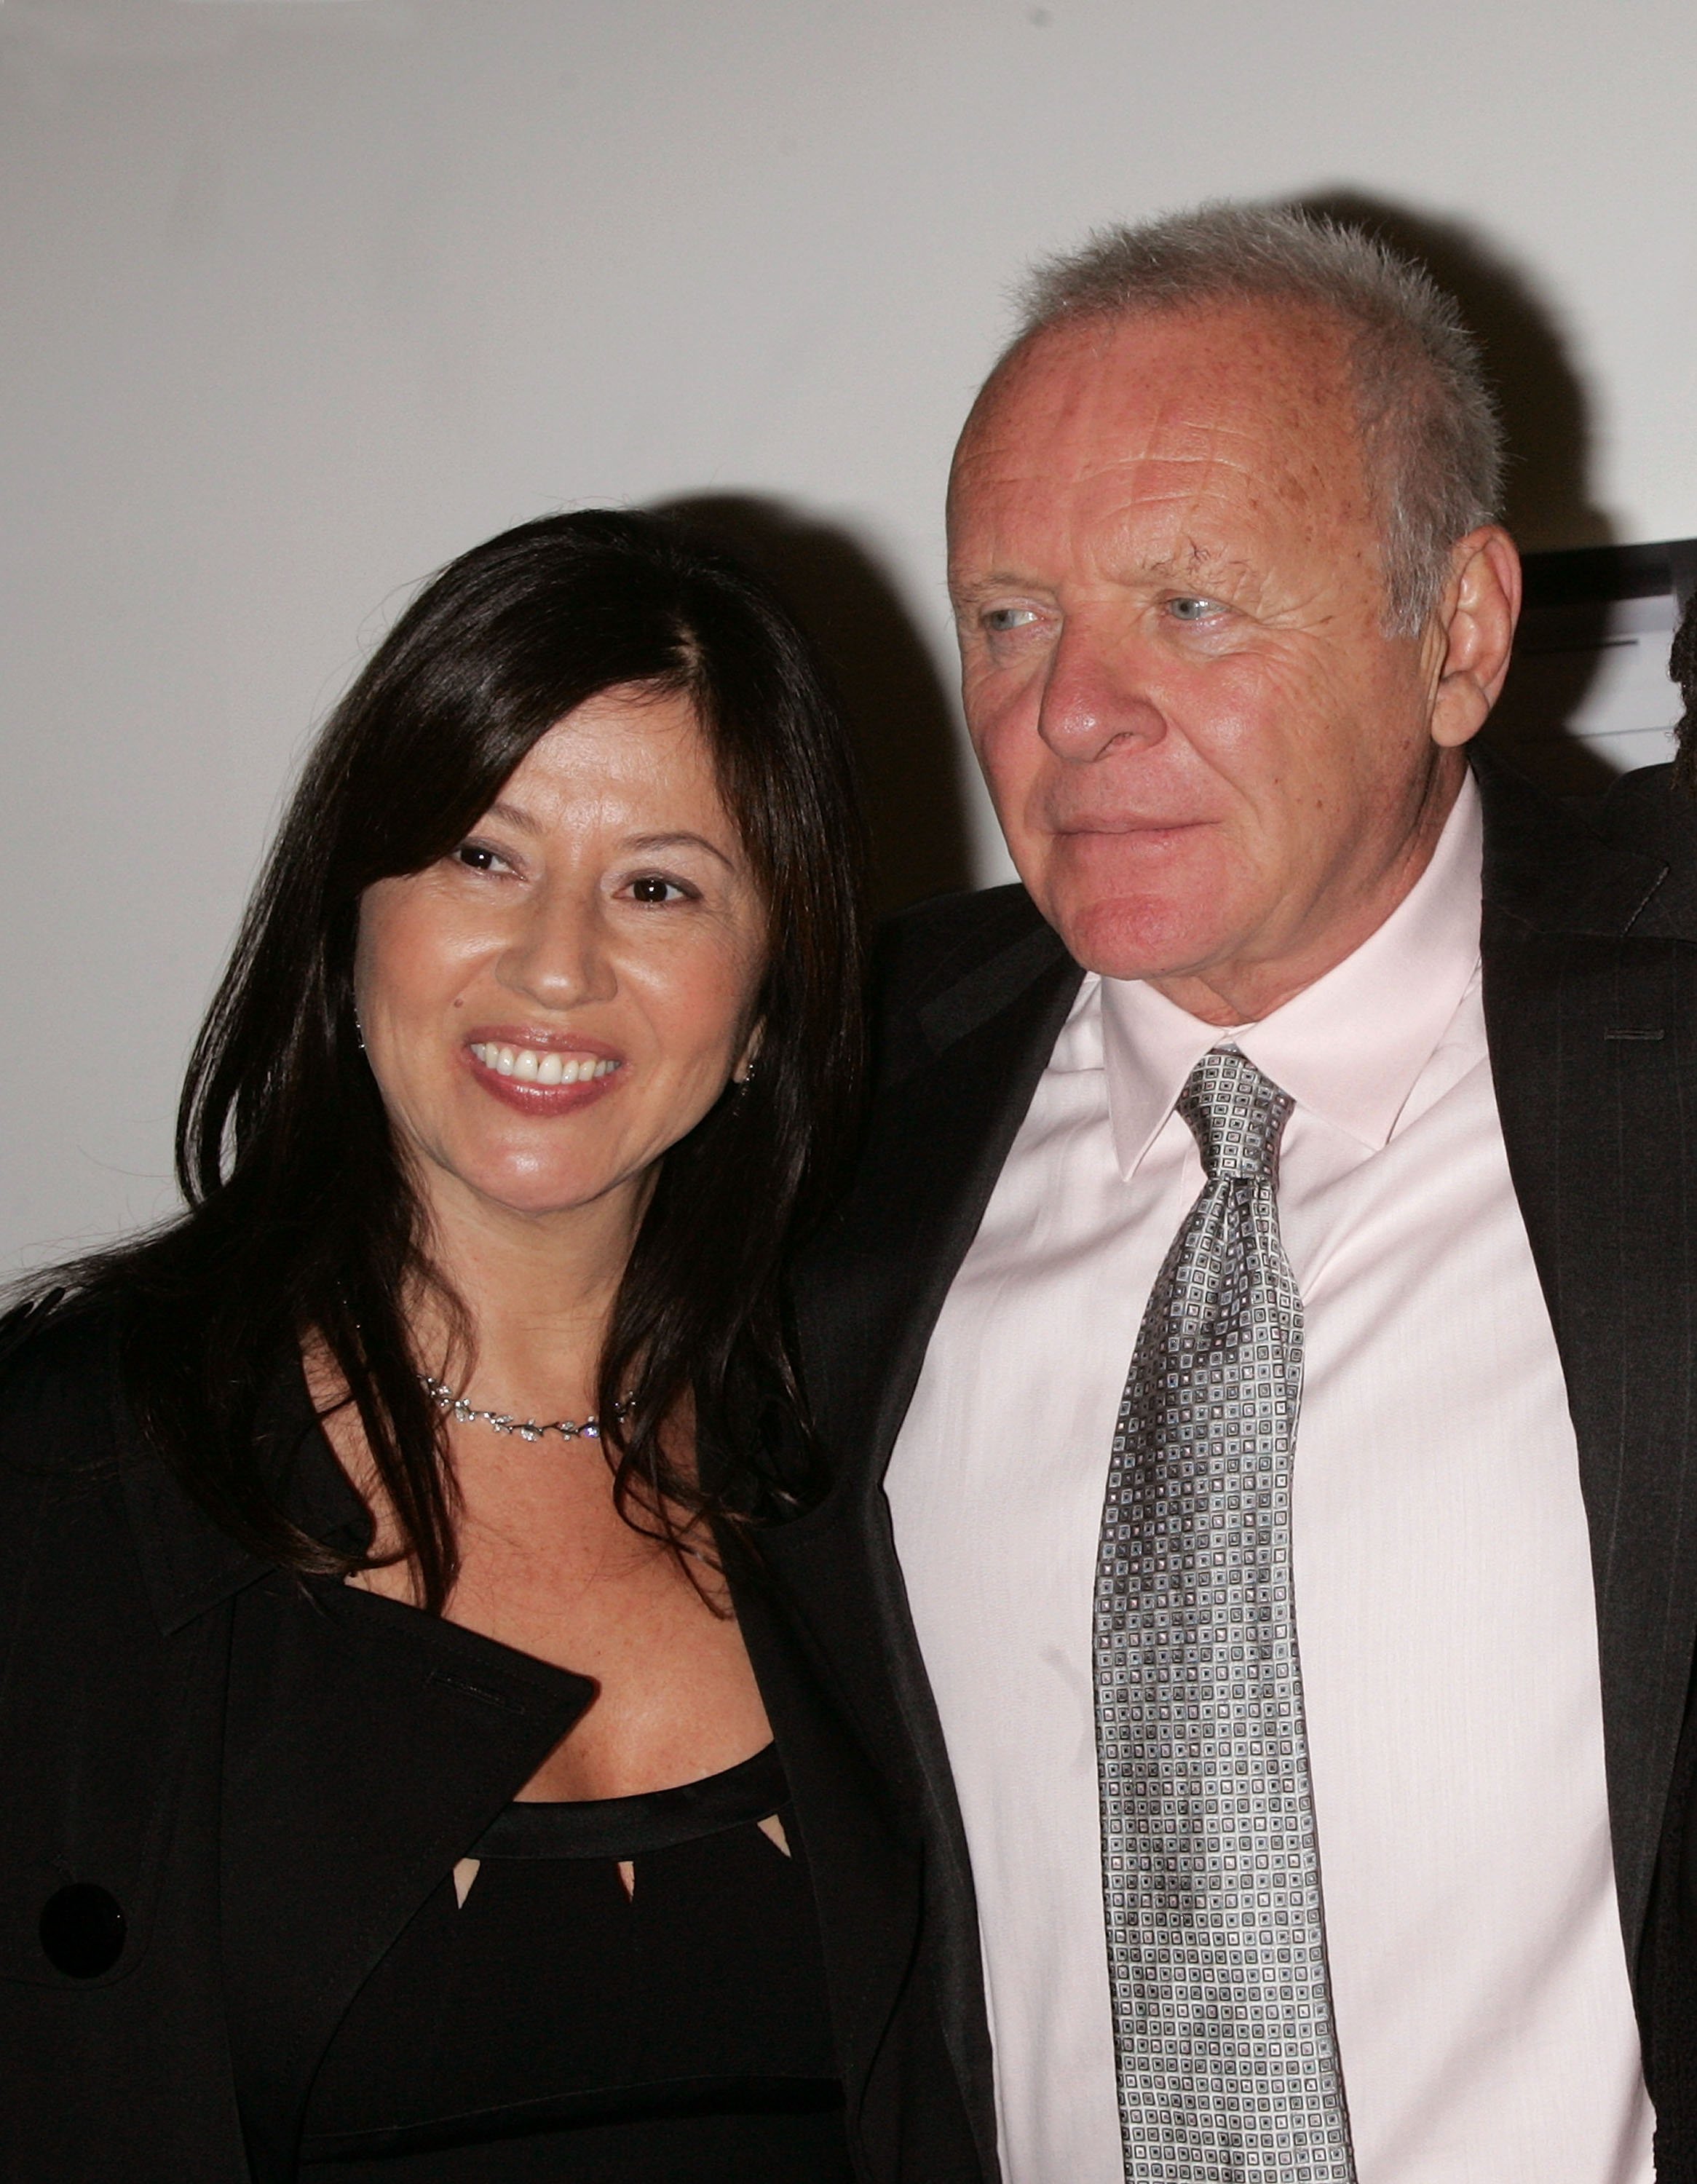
{"x": 943, "y": 968}
{"x": 1646, "y": 813}
{"x": 922, "y": 947}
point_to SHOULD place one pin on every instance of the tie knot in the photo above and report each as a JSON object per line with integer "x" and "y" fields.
{"x": 1236, "y": 1115}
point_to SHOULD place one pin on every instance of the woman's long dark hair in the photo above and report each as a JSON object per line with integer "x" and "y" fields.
{"x": 302, "y": 1225}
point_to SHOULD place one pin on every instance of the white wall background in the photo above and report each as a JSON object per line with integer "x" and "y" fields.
{"x": 302, "y": 297}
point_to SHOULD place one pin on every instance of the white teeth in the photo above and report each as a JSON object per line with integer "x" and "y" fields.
{"x": 528, "y": 1066}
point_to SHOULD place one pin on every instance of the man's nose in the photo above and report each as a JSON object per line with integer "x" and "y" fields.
{"x": 1096, "y": 694}
{"x": 559, "y": 955}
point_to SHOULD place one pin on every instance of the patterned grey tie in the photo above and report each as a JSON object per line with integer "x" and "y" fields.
{"x": 1227, "y": 2057}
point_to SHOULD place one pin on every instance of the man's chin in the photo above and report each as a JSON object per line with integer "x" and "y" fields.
{"x": 1135, "y": 936}
{"x": 1142, "y": 905}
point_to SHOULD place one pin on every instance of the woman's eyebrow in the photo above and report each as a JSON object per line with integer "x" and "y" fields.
{"x": 516, "y": 816}
{"x": 682, "y": 841}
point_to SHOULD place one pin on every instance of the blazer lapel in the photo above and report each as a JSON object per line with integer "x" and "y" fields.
{"x": 962, "y": 1057}
{"x": 367, "y": 1745}
{"x": 364, "y": 1744}
{"x": 1591, "y": 1013}
{"x": 966, "y": 1053}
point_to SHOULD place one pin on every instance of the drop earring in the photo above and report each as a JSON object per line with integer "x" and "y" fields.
{"x": 739, "y": 1077}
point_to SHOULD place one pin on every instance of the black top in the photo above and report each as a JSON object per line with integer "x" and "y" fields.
{"x": 538, "y": 2019}
{"x": 264, "y": 1778}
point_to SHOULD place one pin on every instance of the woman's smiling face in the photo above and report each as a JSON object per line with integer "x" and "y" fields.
{"x": 566, "y": 994}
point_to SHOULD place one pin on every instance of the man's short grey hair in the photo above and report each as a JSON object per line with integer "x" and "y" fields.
{"x": 1430, "y": 432}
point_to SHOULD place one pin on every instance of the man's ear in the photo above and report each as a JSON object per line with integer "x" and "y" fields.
{"x": 1476, "y": 624}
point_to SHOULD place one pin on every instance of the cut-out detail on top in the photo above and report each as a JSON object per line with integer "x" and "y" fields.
{"x": 624, "y": 1828}
{"x": 464, "y": 1872}
{"x": 772, "y": 1828}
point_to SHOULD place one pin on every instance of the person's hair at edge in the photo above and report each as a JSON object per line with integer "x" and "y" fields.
{"x": 1682, "y": 665}
{"x": 301, "y": 1220}
{"x": 1429, "y": 426}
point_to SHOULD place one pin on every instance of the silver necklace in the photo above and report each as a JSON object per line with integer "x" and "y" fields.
{"x": 455, "y": 1407}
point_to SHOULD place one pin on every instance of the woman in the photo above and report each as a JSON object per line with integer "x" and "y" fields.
{"x": 389, "y": 1687}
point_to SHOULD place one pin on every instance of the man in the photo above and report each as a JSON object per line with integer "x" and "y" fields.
{"x": 1259, "y": 1340}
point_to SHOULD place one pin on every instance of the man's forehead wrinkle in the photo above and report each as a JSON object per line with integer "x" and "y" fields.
{"x": 1140, "y": 521}
{"x": 1199, "y": 456}
{"x": 1148, "y": 459}
{"x": 1149, "y": 468}
{"x": 1198, "y": 449}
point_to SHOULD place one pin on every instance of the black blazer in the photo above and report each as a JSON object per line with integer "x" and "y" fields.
{"x": 1591, "y": 987}
{"x": 268, "y": 1774}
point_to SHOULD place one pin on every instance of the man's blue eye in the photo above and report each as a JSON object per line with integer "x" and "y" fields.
{"x": 1189, "y": 610}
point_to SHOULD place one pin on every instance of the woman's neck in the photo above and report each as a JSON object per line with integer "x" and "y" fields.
{"x": 538, "y": 1292}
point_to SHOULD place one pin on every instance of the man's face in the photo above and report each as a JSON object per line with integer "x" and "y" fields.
{"x": 1214, "y": 769}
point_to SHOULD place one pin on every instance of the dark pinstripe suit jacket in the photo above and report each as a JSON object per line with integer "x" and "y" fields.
{"x": 1591, "y": 984}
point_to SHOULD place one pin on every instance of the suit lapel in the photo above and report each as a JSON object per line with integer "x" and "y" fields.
{"x": 963, "y": 1055}
{"x": 1593, "y": 1032}
{"x": 970, "y": 1052}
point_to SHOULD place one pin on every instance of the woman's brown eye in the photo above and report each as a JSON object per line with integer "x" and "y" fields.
{"x": 651, "y": 890}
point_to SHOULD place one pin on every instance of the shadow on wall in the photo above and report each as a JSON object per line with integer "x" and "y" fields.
{"x": 1546, "y": 416}
{"x": 898, "y": 710}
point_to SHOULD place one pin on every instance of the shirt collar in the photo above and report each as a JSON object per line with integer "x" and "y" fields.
{"x": 1349, "y": 1047}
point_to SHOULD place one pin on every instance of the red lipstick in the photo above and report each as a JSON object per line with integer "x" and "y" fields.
{"x": 542, "y": 1073}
